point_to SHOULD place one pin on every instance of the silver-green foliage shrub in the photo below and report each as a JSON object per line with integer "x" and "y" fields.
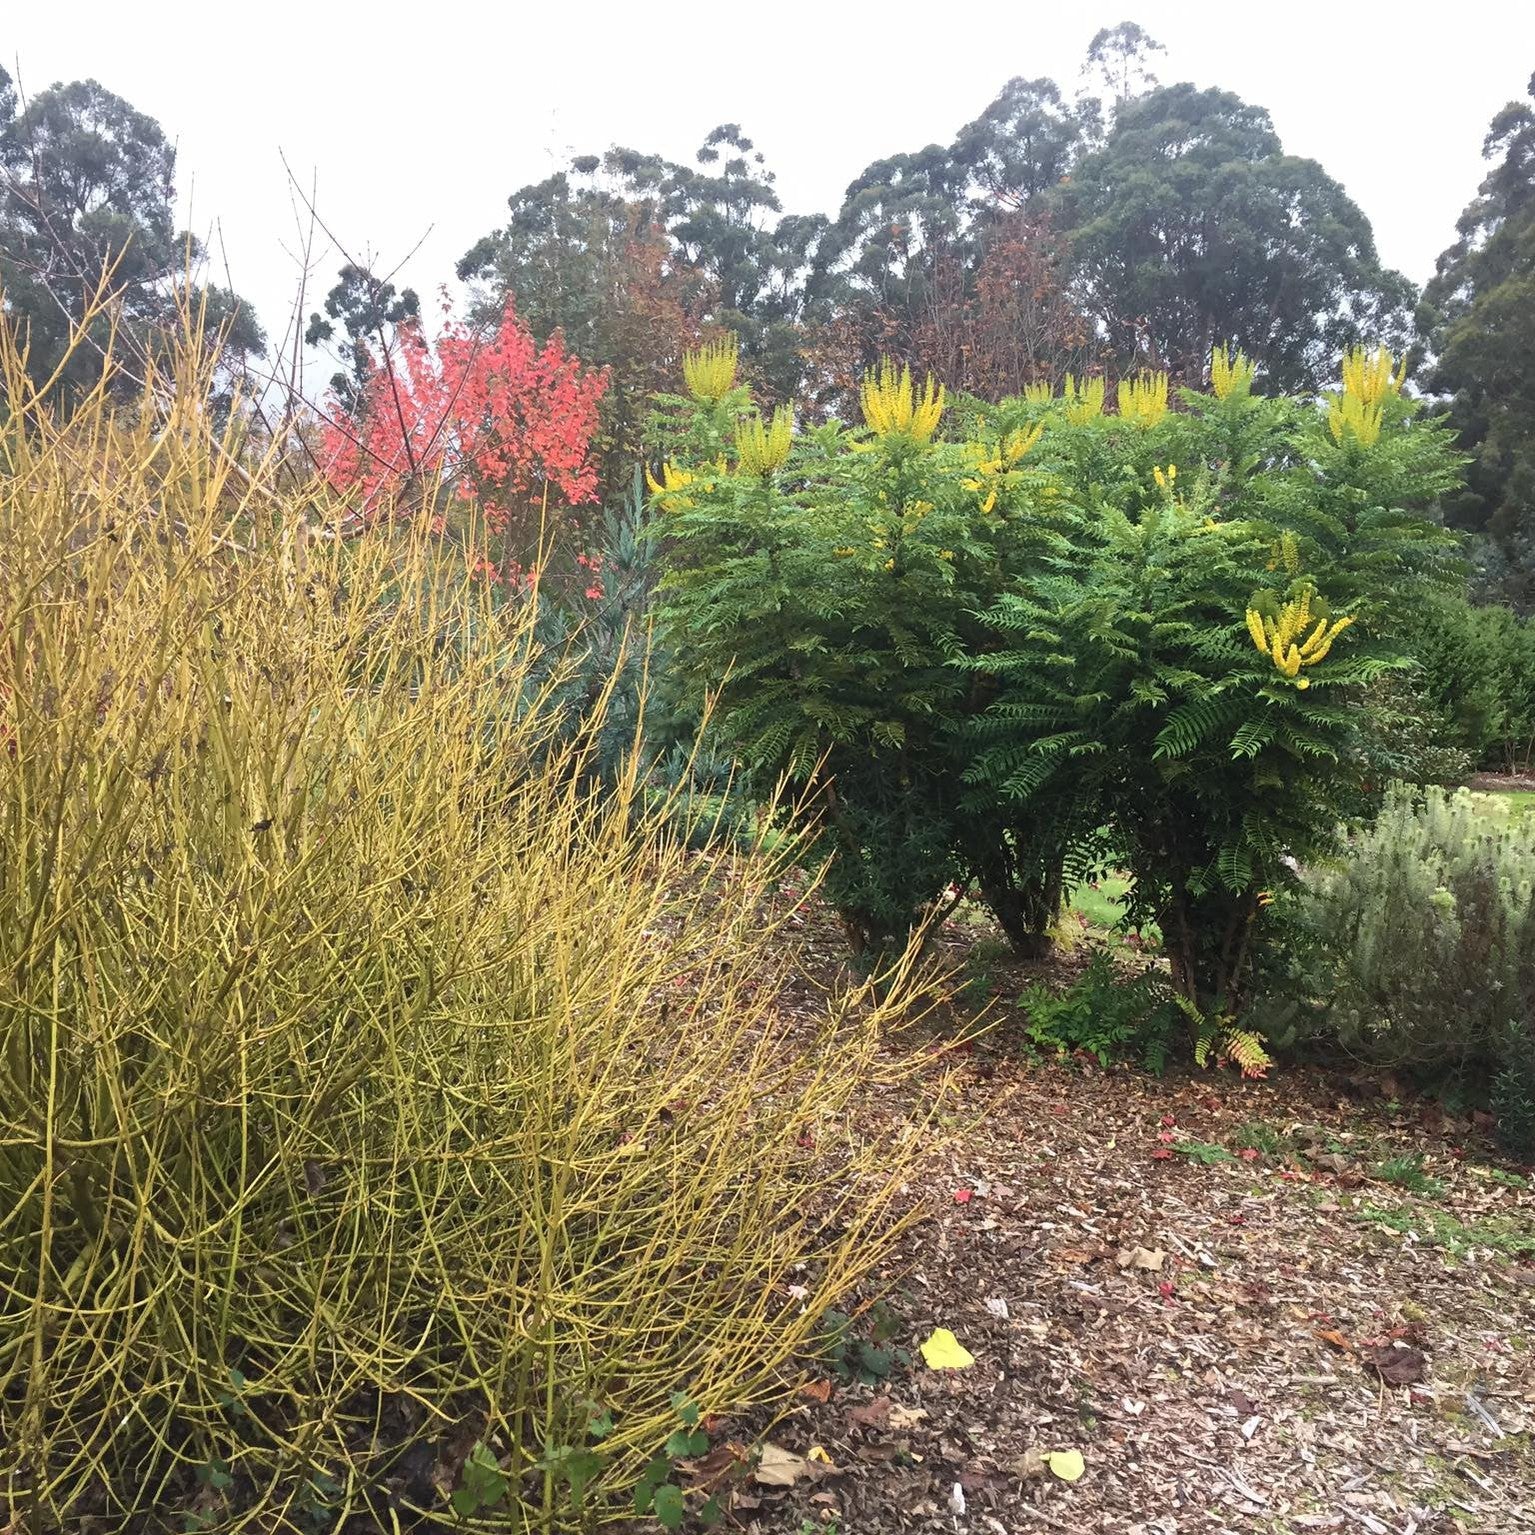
{"x": 1428, "y": 921}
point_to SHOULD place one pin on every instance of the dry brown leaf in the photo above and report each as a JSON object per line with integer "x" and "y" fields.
{"x": 1396, "y": 1363}
{"x": 1141, "y": 1257}
{"x": 781, "y": 1468}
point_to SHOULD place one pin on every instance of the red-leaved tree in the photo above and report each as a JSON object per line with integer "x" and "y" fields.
{"x": 493, "y": 417}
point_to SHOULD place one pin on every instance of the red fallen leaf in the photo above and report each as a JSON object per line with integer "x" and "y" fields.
{"x": 807, "y": 1140}
{"x": 1165, "y": 1289}
{"x": 816, "y": 1390}
{"x": 1169, "y": 1120}
{"x": 1161, "y": 1154}
{"x": 1248, "y": 1153}
{"x": 1236, "y": 1220}
{"x": 963, "y": 1196}
{"x": 1060, "y": 1109}
{"x": 1395, "y": 1363}
{"x": 1166, "y": 1137}
{"x": 1335, "y": 1339}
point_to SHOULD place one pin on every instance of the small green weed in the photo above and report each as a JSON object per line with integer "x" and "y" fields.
{"x": 1406, "y": 1172}
{"x": 657, "y": 1493}
{"x": 869, "y": 1359}
{"x": 1204, "y": 1153}
{"x": 1259, "y": 1135}
{"x": 1497, "y": 1233}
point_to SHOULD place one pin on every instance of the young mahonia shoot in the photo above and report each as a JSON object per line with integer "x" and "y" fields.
{"x": 1287, "y": 635}
{"x": 892, "y": 408}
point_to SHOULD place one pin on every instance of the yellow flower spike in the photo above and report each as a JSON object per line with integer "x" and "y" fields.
{"x": 1143, "y": 400}
{"x": 1020, "y": 443}
{"x": 1084, "y": 400}
{"x": 989, "y": 504}
{"x": 710, "y": 371}
{"x": 667, "y": 489}
{"x": 1284, "y": 639}
{"x": 1039, "y": 393}
{"x": 1348, "y": 415}
{"x": 1255, "y": 628}
{"x": 1372, "y": 378}
{"x": 892, "y": 408}
{"x": 1230, "y": 374}
{"x": 1317, "y": 635}
{"x": 761, "y": 450}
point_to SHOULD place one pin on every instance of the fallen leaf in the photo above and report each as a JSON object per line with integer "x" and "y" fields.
{"x": 1141, "y": 1257}
{"x": 781, "y": 1468}
{"x": 1395, "y": 1363}
{"x": 1075, "y": 1255}
{"x": 997, "y": 1306}
{"x": 871, "y": 1414}
{"x": 905, "y": 1417}
{"x": 943, "y": 1351}
{"x": 816, "y": 1390}
{"x": 1031, "y": 1463}
{"x": 963, "y": 1196}
{"x": 1335, "y": 1339}
{"x": 1066, "y": 1464}
{"x": 818, "y": 1454}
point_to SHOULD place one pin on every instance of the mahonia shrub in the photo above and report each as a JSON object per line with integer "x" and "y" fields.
{"x": 1073, "y": 629}
{"x": 1426, "y": 930}
{"x": 821, "y": 589}
{"x": 1199, "y": 683}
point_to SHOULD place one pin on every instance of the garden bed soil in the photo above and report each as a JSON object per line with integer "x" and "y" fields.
{"x": 1247, "y": 1305}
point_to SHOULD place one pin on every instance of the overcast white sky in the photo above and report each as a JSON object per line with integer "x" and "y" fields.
{"x": 423, "y": 117}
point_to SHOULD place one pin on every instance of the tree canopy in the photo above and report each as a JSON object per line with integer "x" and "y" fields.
{"x": 87, "y": 208}
{"x": 1478, "y": 316}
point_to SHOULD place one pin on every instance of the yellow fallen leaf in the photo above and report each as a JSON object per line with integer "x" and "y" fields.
{"x": 817, "y": 1453}
{"x": 943, "y": 1351}
{"x": 1066, "y": 1464}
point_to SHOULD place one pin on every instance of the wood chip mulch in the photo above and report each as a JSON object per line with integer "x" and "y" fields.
{"x": 1301, "y": 1304}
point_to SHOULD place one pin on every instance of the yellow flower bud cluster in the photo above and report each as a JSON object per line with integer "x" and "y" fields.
{"x": 762, "y": 449}
{"x": 1084, "y": 399}
{"x": 892, "y": 408}
{"x": 1039, "y": 393}
{"x": 1358, "y": 409}
{"x": 1230, "y": 374}
{"x": 710, "y": 370}
{"x": 1167, "y": 479}
{"x": 1296, "y": 634}
{"x": 668, "y": 489}
{"x": 1143, "y": 400}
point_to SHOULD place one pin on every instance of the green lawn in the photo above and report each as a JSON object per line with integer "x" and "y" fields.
{"x": 1514, "y": 802}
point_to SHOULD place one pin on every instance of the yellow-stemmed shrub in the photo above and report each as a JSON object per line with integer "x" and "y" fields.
{"x": 370, "y": 1087}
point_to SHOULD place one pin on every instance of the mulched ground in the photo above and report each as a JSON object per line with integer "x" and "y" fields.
{"x": 1305, "y": 1304}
